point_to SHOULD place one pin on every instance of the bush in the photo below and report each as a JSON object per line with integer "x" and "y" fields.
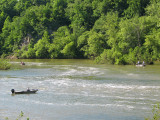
{"x": 155, "y": 112}
{"x": 4, "y": 64}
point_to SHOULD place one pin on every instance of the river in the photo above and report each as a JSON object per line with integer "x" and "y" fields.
{"x": 79, "y": 90}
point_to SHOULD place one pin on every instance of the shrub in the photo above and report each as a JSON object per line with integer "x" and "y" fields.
{"x": 4, "y": 64}
{"x": 155, "y": 112}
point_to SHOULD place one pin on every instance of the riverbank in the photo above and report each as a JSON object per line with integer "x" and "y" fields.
{"x": 4, "y": 64}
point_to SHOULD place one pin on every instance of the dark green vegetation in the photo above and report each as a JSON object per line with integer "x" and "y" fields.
{"x": 4, "y": 64}
{"x": 116, "y": 31}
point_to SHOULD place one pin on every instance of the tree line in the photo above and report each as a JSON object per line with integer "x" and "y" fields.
{"x": 114, "y": 31}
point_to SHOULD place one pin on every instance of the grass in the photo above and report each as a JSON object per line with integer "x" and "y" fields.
{"x": 155, "y": 113}
{"x": 4, "y": 64}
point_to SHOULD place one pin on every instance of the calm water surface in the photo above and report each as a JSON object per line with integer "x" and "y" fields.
{"x": 79, "y": 90}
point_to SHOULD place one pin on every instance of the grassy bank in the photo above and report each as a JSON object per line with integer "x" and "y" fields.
{"x": 4, "y": 64}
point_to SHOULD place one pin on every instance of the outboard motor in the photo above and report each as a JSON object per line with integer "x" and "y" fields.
{"x": 13, "y": 91}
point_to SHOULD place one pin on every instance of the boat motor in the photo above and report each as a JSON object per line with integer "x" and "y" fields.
{"x": 13, "y": 91}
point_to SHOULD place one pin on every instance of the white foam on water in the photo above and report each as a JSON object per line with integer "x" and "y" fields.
{"x": 89, "y": 70}
{"x": 70, "y": 72}
{"x": 63, "y": 66}
{"x": 88, "y": 88}
{"x": 123, "y": 101}
{"x": 78, "y": 70}
{"x": 128, "y": 107}
{"x": 29, "y": 63}
{"x": 125, "y": 87}
{"x": 34, "y": 63}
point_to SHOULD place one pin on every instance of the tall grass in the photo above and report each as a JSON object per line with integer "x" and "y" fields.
{"x": 4, "y": 64}
{"x": 155, "y": 113}
{"x": 19, "y": 117}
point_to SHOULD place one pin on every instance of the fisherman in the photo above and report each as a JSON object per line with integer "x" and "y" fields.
{"x": 143, "y": 63}
{"x": 22, "y": 63}
{"x": 28, "y": 89}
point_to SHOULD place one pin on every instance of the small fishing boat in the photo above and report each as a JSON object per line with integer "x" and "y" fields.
{"x": 140, "y": 65}
{"x": 22, "y": 63}
{"x": 28, "y": 91}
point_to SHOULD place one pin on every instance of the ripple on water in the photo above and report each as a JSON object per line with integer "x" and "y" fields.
{"x": 75, "y": 87}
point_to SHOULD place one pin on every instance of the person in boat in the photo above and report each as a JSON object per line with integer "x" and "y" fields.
{"x": 138, "y": 63}
{"x": 22, "y": 63}
{"x": 143, "y": 63}
{"x": 28, "y": 89}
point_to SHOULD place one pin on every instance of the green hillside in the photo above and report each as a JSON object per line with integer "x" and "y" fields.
{"x": 114, "y": 31}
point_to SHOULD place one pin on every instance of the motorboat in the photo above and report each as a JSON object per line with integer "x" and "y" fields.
{"x": 140, "y": 65}
{"x": 28, "y": 91}
{"x": 22, "y": 63}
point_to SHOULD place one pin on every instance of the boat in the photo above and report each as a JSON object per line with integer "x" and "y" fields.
{"x": 140, "y": 65}
{"x": 22, "y": 63}
{"x": 28, "y": 91}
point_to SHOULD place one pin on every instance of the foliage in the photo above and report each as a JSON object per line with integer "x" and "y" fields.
{"x": 114, "y": 31}
{"x": 41, "y": 47}
{"x": 4, "y": 64}
{"x": 155, "y": 112}
{"x": 61, "y": 38}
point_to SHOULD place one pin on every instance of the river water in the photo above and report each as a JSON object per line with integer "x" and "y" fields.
{"x": 79, "y": 90}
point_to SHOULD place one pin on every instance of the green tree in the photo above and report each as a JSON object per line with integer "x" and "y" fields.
{"x": 117, "y": 31}
{"x": 3, "y": 16}
{"x": 42, "y": 46}
{"x": 7, "y": 6}
{"x": 94, "y": 45}
{"x": 22, "y": 5}
{"x": 152, "y": 46}
{"x": 58, "y": 12}
{"x": 60, "y": 39}
{"x": 136, "y": 7}
{"x": 80, "y": 14}
{"x": 4, "y": 64}
{"x": 132, "y": 36}
{"x": 113, "y": 51}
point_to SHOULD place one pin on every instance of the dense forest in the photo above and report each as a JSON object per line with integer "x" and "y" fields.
{"x": 114, "y": 31}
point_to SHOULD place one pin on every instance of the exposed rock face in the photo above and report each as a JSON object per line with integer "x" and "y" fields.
{"x": 26, "y": 40}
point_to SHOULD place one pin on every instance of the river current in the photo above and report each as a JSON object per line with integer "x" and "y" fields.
{"x": 79, "y": 90}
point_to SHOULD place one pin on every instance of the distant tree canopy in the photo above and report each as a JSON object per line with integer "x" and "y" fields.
{"x": 114, "y": 31}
